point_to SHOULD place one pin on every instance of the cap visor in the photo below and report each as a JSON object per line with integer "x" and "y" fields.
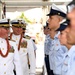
{"x": 62, "y": 27}
{"x": 48, "y": 14}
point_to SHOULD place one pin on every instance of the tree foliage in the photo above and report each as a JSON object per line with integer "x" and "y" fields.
{"x": 22, "y": 16}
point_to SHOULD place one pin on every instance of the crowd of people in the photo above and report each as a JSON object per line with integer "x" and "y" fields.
{"x": 17, "y": 52}
{"x": 59, "y": 46}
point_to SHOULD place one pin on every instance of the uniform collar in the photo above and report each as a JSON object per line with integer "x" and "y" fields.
{"x": 47, "y": 35}
{"x": 17, "y": 35}
{"x": 1, "y": 38}
{"x": 56, "y": 35}
{"x": 71, "y": 50}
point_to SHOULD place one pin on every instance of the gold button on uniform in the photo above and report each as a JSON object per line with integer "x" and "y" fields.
{"x": 16, "y": 38}
{"x": 16, "y": 44}
{"x": 4, "y": 72}
{"x": 4, "y": 64}
{"x": 23, "y": 50}
{"x": 2, "y": 48}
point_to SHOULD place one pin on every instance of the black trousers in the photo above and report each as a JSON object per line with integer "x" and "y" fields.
{"x": 49, "y": 72}
{"x": 14, "y": 72}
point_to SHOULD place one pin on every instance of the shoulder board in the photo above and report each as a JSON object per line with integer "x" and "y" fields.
{"x": 23, "y": 36}
{"x": 12, "y": 40}
{"x": 27, "y": 37}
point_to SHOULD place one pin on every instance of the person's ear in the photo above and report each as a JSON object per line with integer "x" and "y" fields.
{"x": 60, "y": 18}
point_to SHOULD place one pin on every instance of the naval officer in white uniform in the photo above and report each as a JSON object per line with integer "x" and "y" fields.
{"x": 24, "y": 46}
{"x": 9, "y": 55}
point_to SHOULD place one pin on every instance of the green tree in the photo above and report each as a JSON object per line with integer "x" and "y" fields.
{"x": 22, "y": 16}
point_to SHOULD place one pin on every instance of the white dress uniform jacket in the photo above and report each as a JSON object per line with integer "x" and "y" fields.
{"x": 7, "y": 64}
{"x": 26, "y": 47}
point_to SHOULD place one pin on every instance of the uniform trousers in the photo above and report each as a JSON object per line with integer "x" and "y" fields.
{"x": 49, "y": 72}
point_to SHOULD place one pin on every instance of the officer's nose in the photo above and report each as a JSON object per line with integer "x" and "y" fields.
{"x": 48, "y": 20}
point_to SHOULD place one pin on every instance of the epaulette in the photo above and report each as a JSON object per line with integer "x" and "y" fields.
{"x": 12, "y": 40}
{"x": 27, "y": 37}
